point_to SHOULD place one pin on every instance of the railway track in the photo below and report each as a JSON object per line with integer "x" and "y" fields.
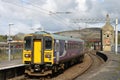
{"x": 97, "y": 62}
{"x": 90, "y": 62}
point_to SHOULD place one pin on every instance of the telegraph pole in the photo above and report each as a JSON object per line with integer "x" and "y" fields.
{"x": 9, "y": 39}
{"x": 116, "y": 36}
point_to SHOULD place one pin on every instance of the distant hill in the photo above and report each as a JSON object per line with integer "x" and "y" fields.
{"x": 19, "y": 36}
{"x": 87, "y": 33}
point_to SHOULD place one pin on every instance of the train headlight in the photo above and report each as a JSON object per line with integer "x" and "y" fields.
{"x": 48, "y": 56}
{"x": 27, "y": 55}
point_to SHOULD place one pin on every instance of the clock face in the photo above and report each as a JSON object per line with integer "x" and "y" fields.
{"x": 107, "y": 37}
{"x": 107, "y": 41}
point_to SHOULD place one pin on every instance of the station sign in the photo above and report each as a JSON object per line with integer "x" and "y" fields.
{"x": 9, "y": 39}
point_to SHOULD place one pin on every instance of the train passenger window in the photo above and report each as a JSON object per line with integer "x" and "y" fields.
{"x": 79, "y": 45}
{"x": 71, "y": 46}
{"x": 27, "y": 44}
{"x": 48, "y": 43}
{"x": 66, "y": 46}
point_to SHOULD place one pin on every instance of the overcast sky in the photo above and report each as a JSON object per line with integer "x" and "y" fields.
{"x": 51, "y": 15}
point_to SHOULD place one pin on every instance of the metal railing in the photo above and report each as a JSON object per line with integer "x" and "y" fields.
{"x": 16, "y": 53}
{"x": 113, "y": 48}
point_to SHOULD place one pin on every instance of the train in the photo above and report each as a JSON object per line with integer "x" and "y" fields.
{"x": 46, "y": 53}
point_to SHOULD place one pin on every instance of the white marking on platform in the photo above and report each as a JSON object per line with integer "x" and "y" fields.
{"x": 13, "y": 66}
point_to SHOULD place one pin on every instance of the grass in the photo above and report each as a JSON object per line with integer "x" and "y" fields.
{"x": 4, "y": 57}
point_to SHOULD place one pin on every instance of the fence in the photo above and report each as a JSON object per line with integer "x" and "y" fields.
{"x": 16, "y": 51}
{"x": 113, "y": 48}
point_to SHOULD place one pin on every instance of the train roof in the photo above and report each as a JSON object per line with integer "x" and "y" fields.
{"x": 42, "y": 32}
{"x": 65, "y": 37}
{"x": 55, "y": 36}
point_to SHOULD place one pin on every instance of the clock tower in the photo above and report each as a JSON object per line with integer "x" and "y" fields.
{"x": 107, "y": 35}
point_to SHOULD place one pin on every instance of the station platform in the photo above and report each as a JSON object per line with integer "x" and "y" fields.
{"x": 11, "y": 64}
{"x": 110, "y": 70}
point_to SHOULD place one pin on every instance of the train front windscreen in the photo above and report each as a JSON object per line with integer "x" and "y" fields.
{"x": 27, "y": 50}
{"x": 27, "y": 45}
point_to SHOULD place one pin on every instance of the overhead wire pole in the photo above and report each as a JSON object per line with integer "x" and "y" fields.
{"x": 116, "y": 36}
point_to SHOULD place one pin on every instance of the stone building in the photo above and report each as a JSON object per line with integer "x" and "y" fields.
{"x": 107, "y": 35}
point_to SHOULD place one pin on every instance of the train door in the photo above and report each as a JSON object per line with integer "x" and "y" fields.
{"x": 37, "y": 51}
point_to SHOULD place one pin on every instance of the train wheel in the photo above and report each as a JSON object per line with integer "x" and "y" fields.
{"x": 66, "y": 65}
{"x": 54, "y": 70}
{"x": 25, "y": 75}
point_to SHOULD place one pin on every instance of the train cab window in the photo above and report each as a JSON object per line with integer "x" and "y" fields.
{"x": 48, "y": 43}
{"x": 27, "y": 44}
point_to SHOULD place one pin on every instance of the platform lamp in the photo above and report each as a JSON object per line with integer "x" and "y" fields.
{"x": 9, "y": 40}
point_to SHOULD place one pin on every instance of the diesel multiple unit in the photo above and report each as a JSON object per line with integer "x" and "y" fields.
{"x": 46, "y": 53}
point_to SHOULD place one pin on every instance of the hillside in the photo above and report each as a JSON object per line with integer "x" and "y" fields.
{"x": 86, "y": 34}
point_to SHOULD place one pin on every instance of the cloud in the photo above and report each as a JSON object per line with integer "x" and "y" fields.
{"x": 30, "y": 13}
{"x": 20, "y": 27}
{"x": 50, "y": 5}
{"x": 37, "y": 27}
{"x": 81, "y": 5}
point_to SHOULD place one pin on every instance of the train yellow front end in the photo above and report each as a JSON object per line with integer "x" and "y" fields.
{"x": 38, "y": 54}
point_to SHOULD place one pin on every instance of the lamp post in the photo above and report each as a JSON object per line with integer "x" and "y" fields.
{"x": 9, "y": 39}
{"x": 116, "y": 36}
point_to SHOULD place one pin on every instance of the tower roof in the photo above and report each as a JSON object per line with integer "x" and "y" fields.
{"x": 107, "y": 25}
